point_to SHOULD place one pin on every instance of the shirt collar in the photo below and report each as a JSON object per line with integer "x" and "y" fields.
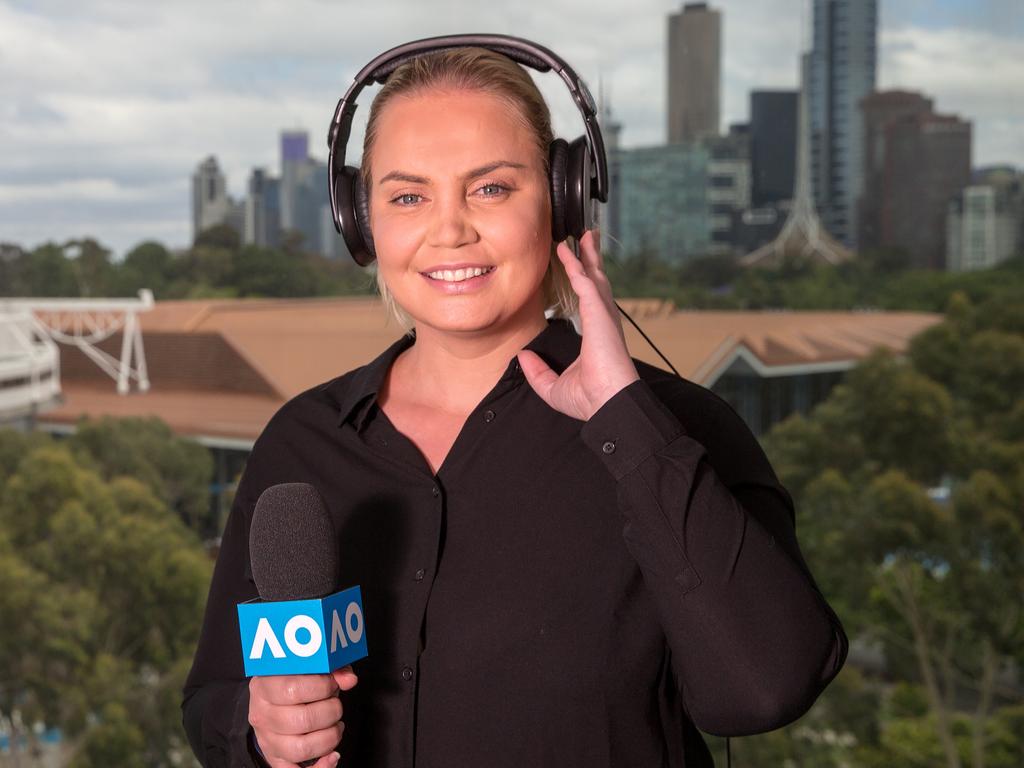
{"x": 558, "y": 345}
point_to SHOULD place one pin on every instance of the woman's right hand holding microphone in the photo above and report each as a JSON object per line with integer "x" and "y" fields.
{"x": 297, "y": 718}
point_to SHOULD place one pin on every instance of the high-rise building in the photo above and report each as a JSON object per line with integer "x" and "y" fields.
{"x": 879, "y": 110}
{"x": 294, "y": 159}
{"x": 263, "y": 210}
{"x": 919, "y": 161}
{"x": 662, "y": 202}
{"x": 211, "y": 204}
{"x": 773, "y": 118}
{"x": 728, "y": 186}
{"x": 985, "y": 223}
{"x": 305, "y": 206}
{"x": 843, "y": 70}
{"x": 694, "y": 73}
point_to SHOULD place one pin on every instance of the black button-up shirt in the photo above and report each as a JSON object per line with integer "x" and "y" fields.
{"x": 561, "y": 593}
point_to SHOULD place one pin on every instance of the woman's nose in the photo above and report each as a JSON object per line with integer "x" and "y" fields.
{"x": 450, "y": 224}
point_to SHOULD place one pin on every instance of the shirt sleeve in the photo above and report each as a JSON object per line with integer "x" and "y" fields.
{"x": 215, "y": 706}
{"x": 753, "y": 641}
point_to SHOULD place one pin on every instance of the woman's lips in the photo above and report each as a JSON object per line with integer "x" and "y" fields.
{"x": 466, "y": 285}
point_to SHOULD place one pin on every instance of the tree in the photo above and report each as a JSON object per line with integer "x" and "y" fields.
{"x": 177, "y": 470}
{"x": 909, "y": 486}
{"x": 103, "y": 593}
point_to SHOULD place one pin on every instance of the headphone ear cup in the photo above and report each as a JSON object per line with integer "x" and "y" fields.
{"x": 558, "y": 155}
{"x": 354, "y": 215}
{"x": 578, "y": 205}
{"x": 363, "y": 215}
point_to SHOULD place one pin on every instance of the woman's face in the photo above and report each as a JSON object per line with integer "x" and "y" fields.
{"x": 460, "y": 211}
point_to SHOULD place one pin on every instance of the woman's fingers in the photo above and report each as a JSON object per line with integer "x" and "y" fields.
{"x": 345, "y": 678}
{"x": 293, "y": 689}
{"x": 298, "y": 749}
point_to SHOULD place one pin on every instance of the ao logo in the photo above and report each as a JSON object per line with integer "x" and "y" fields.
{"x": 342, "y": 633}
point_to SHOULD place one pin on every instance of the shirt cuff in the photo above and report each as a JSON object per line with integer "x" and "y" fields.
{"x": 631, "y": 426}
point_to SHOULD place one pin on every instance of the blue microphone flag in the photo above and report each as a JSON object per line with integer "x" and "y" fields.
{"x": 299, "y": 637}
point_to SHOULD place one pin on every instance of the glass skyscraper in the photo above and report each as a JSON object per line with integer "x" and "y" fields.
{"x": 843, "y": 70}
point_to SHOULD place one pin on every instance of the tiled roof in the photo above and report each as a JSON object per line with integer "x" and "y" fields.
{"x": 220, "y": 368}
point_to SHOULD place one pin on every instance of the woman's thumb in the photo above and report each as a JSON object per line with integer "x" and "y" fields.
{"x": 538, "y": 374}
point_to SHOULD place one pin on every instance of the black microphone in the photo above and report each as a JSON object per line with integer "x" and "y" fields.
{"x": 292, "y": 549}
{"x": 300, "y": 624}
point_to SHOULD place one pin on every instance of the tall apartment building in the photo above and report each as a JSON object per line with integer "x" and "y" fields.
{"x": 916, "y": 162}
{"x": 843, "y": 70}
{"x": 694, "y": 73}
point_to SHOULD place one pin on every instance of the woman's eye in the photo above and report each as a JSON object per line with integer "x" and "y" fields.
{"x": 493, "y": 190}
{"x": 404, "y": 199}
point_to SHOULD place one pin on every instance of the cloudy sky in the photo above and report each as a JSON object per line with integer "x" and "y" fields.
{"x": 107, "y": 106}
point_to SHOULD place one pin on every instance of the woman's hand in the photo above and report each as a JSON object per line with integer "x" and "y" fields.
{"x": 297, "y": 718}
{"x": 604, "y": 366}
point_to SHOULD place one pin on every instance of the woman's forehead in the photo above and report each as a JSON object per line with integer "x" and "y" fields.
{"x": 438, "y": 127}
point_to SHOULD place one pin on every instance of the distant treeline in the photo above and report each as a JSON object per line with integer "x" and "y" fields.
{"x": 219, "y": 266}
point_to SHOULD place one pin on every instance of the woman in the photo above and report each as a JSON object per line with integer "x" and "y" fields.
{"x": 568, "y": 557}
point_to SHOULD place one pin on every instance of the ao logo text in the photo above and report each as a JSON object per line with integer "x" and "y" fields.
{"x": 295, "y": 637}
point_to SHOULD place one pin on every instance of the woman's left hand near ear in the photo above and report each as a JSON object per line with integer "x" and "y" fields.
{"x": 604, "y": 366}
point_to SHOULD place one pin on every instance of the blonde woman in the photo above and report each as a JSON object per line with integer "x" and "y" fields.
{"x": 568, "y": 557}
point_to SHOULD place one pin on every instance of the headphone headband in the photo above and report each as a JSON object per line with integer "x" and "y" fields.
{"x": 523, "y": 51}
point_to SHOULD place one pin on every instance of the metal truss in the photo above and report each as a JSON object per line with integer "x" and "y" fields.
{"x": 85, "y": 323}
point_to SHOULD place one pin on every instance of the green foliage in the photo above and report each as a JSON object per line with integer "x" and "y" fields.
{"x": 909, "y": 489}
{"x": 216, "y": 266}
{"x": 104, "y": 588}
{"x": 177, "y": 470}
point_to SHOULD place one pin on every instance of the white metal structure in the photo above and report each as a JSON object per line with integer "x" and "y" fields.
{"x": 85, "y": 323}
{"x": 803, "y": 233}
{"x": 29, "y": 366}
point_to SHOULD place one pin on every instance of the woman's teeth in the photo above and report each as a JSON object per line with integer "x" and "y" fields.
{"x": 459, "y": 274}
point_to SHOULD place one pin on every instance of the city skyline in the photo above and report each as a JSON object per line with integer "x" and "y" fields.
{"x": 104, "y": 125}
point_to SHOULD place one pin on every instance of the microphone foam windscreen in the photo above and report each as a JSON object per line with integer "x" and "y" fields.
{"x": 292, "y": 549}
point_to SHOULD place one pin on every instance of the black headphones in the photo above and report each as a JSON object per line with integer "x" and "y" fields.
{"x": 579, "y": 169}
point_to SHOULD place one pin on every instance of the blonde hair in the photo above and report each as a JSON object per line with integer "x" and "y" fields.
{"x": 475, "y": 69}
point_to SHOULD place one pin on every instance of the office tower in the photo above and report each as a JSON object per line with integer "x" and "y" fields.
{"x": 263, "y": 210}
{"x": 728, "y": 187}
{"x": 843, "y": 71}
{"x": 294, "y": 159}
{"x": 879, "y": 109}
{"x": 210, "y": 202}
{"x": 773, "y": 117}
{"x": 694, "y": 73}
{"x": 662, "y": 202}
{"x": 305, "y": 206}
{"x": 919, "y": 161}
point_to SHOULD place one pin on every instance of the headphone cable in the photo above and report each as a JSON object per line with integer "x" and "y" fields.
{"x": 653, "y": 346}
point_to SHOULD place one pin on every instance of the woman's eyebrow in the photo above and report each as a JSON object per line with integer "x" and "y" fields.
{"x": 481, "y": 171}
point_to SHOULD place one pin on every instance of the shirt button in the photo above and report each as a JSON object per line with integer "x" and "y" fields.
{"x": 420, "y": 573}
{"x": 489, "y": 415}
{"x": 407, "y": 673}
{"x": 436, "y": 491}
{"x": 608, "y": 447}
